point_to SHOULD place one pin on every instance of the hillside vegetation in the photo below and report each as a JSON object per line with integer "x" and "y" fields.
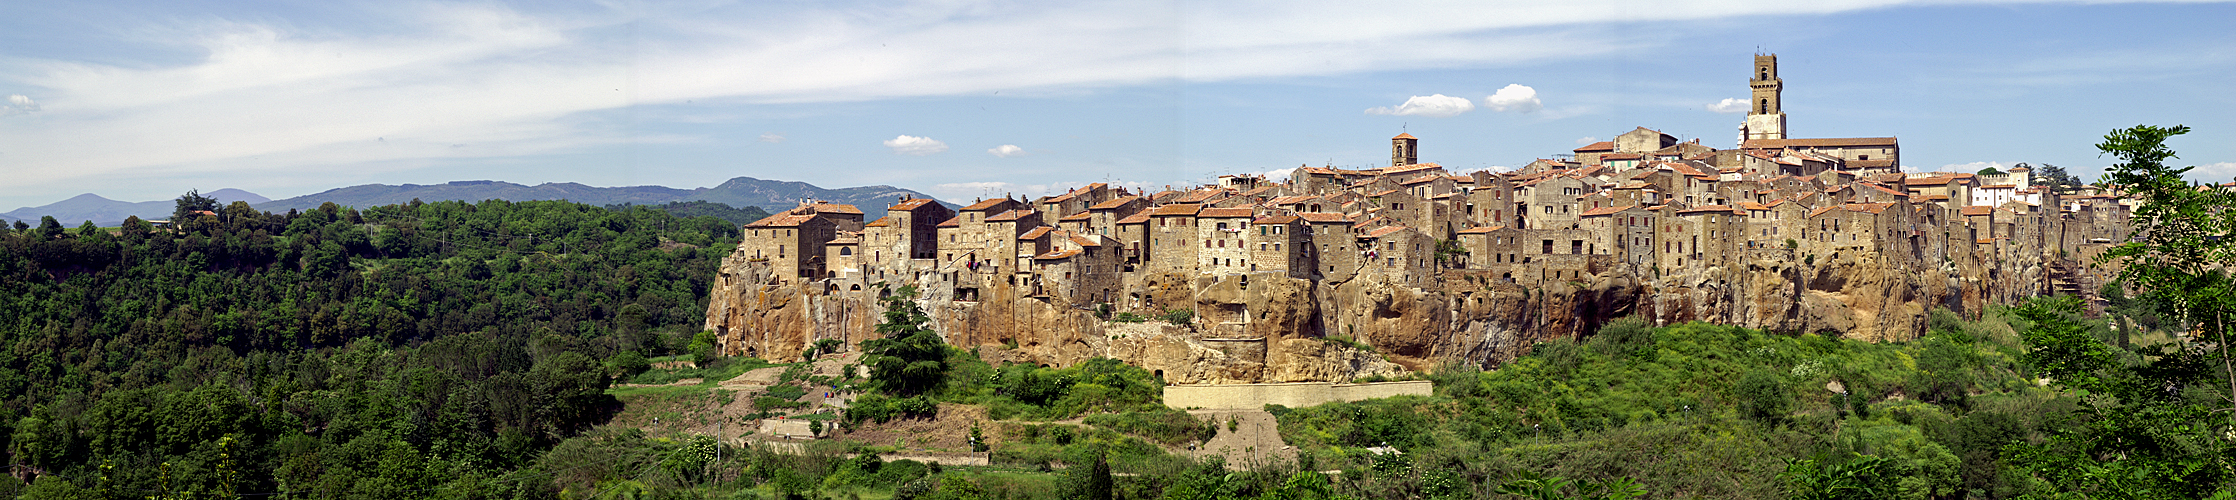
{"x": 392, "y": 352}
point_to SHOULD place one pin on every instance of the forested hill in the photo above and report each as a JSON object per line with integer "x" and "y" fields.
{"x": 331, "y": 351}
{"x": 738, "y": 192}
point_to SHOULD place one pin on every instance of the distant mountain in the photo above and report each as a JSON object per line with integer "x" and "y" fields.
{"x": 106, "y": 212}
{"x": 777, "y": 196}
{"x": 773, "y": 196}
{"x": 372, "y": 195}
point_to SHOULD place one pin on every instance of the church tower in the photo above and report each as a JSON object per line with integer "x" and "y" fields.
{"x": 1766, "y": 116}
{"x": 1404, "y": 150}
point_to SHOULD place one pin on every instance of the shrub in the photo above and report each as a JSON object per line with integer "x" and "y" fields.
{"x": 1127, "y": 317}
{"x": 1181, "y": 317}
{"x": 1764, "y": 397}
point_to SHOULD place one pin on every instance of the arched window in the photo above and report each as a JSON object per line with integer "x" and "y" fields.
{"x": 846, "y": 251}
{"x": 1765, "y": 107}
{"x": 1765, "y": 74}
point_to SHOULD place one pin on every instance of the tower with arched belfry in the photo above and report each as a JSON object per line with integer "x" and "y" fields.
{"x": 1766, "y": 116}
{"x": 1404, "y": 150}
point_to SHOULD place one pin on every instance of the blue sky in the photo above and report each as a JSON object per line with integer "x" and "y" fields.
{"x": 967, "y": 98}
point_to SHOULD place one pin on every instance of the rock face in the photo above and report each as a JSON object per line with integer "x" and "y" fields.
{"x": 1264, "y": 327}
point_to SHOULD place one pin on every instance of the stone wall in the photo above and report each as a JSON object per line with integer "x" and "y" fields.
{"x": 1293, "y": 395}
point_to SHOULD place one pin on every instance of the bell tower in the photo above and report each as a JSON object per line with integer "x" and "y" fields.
{"x": 1766, "y": 116}
{"x": 1404, "y": 150}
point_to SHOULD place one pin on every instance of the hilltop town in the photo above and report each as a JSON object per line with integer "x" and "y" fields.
{"x": 1421, "y": 263}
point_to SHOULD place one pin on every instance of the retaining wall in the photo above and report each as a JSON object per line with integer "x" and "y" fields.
{"x": 1293, "y": 395}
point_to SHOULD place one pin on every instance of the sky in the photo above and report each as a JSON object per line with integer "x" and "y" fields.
{"x": 965, "y": 99}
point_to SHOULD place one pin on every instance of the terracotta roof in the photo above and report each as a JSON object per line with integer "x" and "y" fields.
{"x": 1597, "y": 146}
{"x": 1620, "y": 156}
{"x": 1606, "y": 210}
{"x": 1323, "y": 217}
{"x": 880, "y": 222}
{"x": 1077, "y": 217}
{"x": 2000, "y": 186}
{"x": 1976, "y": 210}
{"x": 1085, "y": 241}
{"x": 1870, "y": 207}
{"x": 1200, "y": 196}
{"x": 1114, "y": 203}
{"x": 1814, "y": 213}
{"x": 986, "y": 204}
{"x": 1278, "y": 219}
{"x": 1292, "y": 200}
{"x": 911, "y": 204}
{"x": 1141, "y": 217}
{"x": 1177, "y": 209}
{"x": 1749, "y": 205}
{"x": 1384, "y": 231}
{"x": 1036, "y": 233}
{"x": 1819, "y": 143}
{"x": 782, "y": 220}
{"x": 1224, "y": 213}
{"x": 1481, "y": 230}
{"x": 835, "y": 208}
{"x": 1418, "y": 180}
{"x": 1010, "y": 215}
{"x": 1884, "y": 189}
{"x": 951, "y": 222}
{"x": 1407, "y": 168}
{"x": 1707, "y": 208}
{"x": 1057, "y": 255}
{"x": 1402, "y": 135}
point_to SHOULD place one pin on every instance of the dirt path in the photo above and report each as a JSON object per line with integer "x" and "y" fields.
{"x": 1256, "y": 439}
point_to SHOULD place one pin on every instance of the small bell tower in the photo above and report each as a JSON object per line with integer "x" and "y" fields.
{"x": 1404, "y": 150}
{"x": 1766, "y": 116}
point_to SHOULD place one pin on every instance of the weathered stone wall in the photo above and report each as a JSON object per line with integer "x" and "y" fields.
{"x": 1463, "y": 315}
{"x": 1293, "y": 395}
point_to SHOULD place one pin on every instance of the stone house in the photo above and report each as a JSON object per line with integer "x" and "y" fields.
{"x": 1334, "y": 244}
{"x": 1222, "y": 232}
{"x": 791, "y": 243}
{"x": 1399, "y": 254}
{"x": 1173, "y": 237}
{"x": 1282, "y": 243}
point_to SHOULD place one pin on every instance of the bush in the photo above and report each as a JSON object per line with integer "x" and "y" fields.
{"x": 629, "y": 364}
{"x": 1180, "y": 317}
{"x": 1127, "y": 317}
{"x": 1629, "y": 337}
{"x": 1764, "y": 397}
{"x": 1166, "y": 426}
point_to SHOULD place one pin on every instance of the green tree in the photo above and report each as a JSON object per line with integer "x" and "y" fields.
{"x": 49, "y": 229}
{"x": 911, "y": 359}
{"x": 2055, "y": 177}
{"x": 183, "y": 214}
{"x": 2144, "y": 430}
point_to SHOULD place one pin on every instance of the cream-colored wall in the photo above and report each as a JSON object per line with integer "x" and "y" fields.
{"x": 1293, "y": 395}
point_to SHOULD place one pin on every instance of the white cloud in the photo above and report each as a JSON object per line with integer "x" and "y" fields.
{"x": 1007, "y": 150}
{"x": 2210, "y": 172}
{"x": 18, "y": 104}
{"x": 915, "y": 146}
{"x": 516, "y": 81}
{"x": 1433, "y": 106}
{"x": 772, "y": 137}
{"x": 1516, "y": 98}
{"x": 1729, "y": 105}
{"x": 1586, "y": 140}
{"x": 1276, "y": 175}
